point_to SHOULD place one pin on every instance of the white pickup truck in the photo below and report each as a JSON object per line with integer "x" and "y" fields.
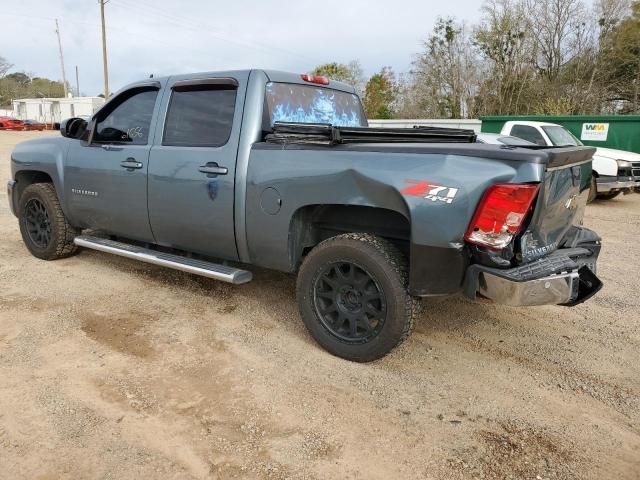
{"x": 614, "y": 171}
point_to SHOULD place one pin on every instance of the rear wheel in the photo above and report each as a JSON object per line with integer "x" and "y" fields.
{"x": 353, "y": 298}
{"x": 608, "y": 196}
{"x": 44, "y": 228}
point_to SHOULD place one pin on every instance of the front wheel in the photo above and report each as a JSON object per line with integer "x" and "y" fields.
{"x": 45, "y": 230}
{"x": 608, "y": 196}
{"x": 353, "y": 298}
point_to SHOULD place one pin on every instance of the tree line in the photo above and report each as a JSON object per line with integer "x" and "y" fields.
{"x": 549, "y": 57}
{"x": 20, "y": 85}
{"x": 546, "y": 57}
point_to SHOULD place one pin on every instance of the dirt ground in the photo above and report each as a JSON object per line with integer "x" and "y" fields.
{"x": 115, "y": 369}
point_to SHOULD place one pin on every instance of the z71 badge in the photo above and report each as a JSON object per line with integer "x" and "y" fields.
{"x": 430, "y": 191}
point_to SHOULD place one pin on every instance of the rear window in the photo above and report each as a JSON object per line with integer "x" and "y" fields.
{"x": 288, "y": 102}
{"x": 514, "y": 141}
{"x": 560, "y": 136}
{"x": 529, "y": 133}
{"x": 201, "y": 116}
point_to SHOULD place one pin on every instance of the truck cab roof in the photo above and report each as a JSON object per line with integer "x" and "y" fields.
{"x": 530, "y": 123}
{"x": 272, "y": 75}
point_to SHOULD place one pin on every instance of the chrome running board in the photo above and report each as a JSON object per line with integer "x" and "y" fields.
{"x": 216, "y": 271}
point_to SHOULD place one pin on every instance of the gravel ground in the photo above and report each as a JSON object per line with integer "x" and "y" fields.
{"x": 115, "y": 369}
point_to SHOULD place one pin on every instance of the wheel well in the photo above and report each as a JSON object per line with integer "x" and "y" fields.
{"x": 24, "y": 178}
{"x": 312, "y": 224}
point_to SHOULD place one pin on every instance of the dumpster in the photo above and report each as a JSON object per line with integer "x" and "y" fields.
{"x": 609, "y": 131}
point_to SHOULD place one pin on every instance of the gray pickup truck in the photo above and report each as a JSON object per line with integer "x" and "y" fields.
{"x": 210, "y": 173}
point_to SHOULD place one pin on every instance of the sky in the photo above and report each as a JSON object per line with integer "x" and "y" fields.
{"x": 162, "y": 37}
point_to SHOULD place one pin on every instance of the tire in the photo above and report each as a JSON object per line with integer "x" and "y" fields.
{"x": 593, "y": 190}
{"x": 44, "y": 228}
{"x": 608, "y": 196}
{"x": 353, "y": 298}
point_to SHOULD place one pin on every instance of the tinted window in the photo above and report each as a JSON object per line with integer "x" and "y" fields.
{"x": 513, "y": 141}
{"x": 561, "y": 137}
{"x": 528, "y": 133}
{"x": 129, "y": 120}
{"x": 288, "y": 102}
{"x": 200, "y": 116}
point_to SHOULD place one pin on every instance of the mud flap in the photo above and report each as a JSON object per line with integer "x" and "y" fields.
{"x": 587, "y": 286}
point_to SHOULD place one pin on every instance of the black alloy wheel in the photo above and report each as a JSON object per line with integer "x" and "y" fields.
{"x": 44, "y": 228}
{"x": 353, "y": 296}
{"x": 37, "y": 223}
{"x": 350, "y": 302}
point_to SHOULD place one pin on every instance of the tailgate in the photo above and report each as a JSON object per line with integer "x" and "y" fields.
{"x": 560, "y": 204}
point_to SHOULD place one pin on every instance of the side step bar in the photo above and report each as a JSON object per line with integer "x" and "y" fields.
{"x": 223, "y": 273}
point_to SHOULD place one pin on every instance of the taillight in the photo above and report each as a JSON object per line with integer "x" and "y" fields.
{"x": 500, "y": 214}
{"x": 319, "y": 79}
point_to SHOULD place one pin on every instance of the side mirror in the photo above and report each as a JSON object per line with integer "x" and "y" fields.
{"x": 73, "y": 127}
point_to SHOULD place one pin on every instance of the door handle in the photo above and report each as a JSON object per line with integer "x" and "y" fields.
{"x": 212, "y": 168}
{"x": 131, "y": 164}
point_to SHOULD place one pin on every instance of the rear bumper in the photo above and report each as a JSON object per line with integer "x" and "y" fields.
{"x": 11, "y": 195}
{"x": 562, "y": 278}
{"x": 608, "y": 184}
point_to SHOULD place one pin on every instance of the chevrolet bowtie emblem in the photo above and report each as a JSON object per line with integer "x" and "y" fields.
{"x": 571, "y": 203}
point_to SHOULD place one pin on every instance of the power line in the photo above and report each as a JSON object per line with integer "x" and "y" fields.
{"x": 188, "y": 23}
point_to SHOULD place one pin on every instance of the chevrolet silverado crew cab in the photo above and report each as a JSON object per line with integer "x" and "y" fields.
{"x": 614, "y": 171}
{"x": 212, "y": 173}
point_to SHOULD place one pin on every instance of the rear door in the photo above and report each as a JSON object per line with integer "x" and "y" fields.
{"x": 192, "y": 164}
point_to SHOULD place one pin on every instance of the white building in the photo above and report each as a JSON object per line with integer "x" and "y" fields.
{"x": 53, "y": 110}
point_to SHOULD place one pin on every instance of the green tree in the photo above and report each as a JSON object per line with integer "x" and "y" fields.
{"x": 350, "y": 73}
{"x": 21, "y": 85}
{"x": 5, "y": 66}
{"x": 621, "y": 59}
{"x": 506, "y": 49}
{"x": 380, "y": 95}
{"x": 445, "y": 73}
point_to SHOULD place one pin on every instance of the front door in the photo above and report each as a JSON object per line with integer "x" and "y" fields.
{"x": 192, "y": 165}
{"x": 106, "y": 178}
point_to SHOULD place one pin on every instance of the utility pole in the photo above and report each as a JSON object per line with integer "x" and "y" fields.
{"x": 77, "y": 82}
{"x": 104, "y": 52}
{"x": 64, "y": 76}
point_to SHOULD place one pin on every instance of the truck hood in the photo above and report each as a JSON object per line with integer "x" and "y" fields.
{"x": 45, "y": 154}
{"x": 618, "y": 154}
{"x": 36, "y": 144}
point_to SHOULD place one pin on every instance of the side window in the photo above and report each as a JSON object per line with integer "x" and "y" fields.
{"x": 129, "y": 120}
{"x": 528, "y": 133}
{"x": 200, "y": 116}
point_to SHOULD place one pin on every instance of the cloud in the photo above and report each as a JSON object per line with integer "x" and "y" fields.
{"x": 164, "y": 36}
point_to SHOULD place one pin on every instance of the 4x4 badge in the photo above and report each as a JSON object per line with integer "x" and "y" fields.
{"x": 430, "y": 191}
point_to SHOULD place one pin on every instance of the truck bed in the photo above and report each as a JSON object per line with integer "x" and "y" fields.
{"x": 326, "y": 134}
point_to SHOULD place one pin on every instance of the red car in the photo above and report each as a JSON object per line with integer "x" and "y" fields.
{"x": 8, "y": 123}
{"x": 34, "y": 125}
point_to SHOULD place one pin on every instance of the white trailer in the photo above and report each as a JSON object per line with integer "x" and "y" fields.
{"x": 53, "y": 110}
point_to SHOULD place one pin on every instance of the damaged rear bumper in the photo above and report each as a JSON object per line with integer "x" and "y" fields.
{"x": 566, "y": 277}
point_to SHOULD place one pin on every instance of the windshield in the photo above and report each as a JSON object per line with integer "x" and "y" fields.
{"x": 288, "y": 102}
{"x": 560, "y": 136}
